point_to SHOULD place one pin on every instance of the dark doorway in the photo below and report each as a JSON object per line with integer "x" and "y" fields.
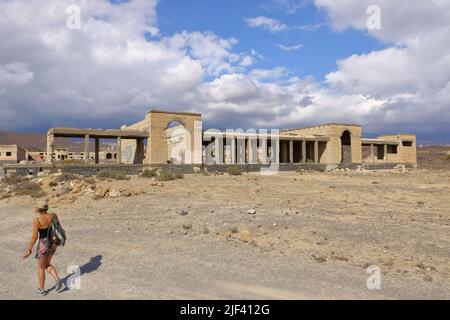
{"x": 346, "y": 143}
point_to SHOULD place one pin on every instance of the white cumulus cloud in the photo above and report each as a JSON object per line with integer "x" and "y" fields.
{"x": 269, "y": 24}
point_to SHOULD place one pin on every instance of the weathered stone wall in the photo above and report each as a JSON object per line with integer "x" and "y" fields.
{"x": 23, "y": 170}
{"x": 406, "y": 154}
{"x": 333, "y": 151}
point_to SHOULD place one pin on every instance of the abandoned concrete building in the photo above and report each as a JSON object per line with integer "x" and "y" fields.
{"x": 11, "y": 154}
{"x": 178, "y": 138}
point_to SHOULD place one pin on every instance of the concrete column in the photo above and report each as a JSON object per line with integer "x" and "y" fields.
{"x": 218, "y": 149}
{"x": 385, "y": 153}
{"x": 139, "y": 154}
{"x": 233, "y": 149}
{"x": 252, "y": 150}
{"x": 276, "y": 150}
{"x": 198, "y": 136}
{"x": 86, "y": 149}
{"x": 240, "y": 149}
{"x": 97, "y": 150}
{"x": 372, "y": 154}
{"x": 119, "y": 150}
{"x": 303, "y": 151}
{"x": 50, "y": 148}
{"x": 316, "y": 151}
{"x": 142, "y": 151}
{"x": 291, "y": 151}
{"x": 263, "y": 152}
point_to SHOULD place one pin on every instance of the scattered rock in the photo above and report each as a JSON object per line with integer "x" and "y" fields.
{"x": 126, "y": 193}
{"x": 341, "y": 258}
{"x": 187, "y": 226}
{"x": 62, "y": 190}
{"x": 197, "y": 169}
{"x": 428, "y": 278}
{"x": 114, "y": 193}
{"x": 184, "y": 213}
{"x": 245, "y": 236}
{"x": 319, "y": 258}
{"x": 100, "y": 192}
{"x": 251, "y": 211}
{"x": 48, "y": 183}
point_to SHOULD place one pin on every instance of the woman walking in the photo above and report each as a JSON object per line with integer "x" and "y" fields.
{"x": 46, "y": 248}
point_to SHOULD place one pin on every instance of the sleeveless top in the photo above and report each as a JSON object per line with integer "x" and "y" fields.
{"x": 43, "y": 233}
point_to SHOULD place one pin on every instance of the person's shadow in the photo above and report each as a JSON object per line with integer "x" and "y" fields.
{"x": 93, "y": 264}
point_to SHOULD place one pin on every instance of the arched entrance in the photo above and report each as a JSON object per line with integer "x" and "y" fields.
{"x": 176, "y": 141}
{"x": 346, "y": 147}
{"x": 108, "y": 156}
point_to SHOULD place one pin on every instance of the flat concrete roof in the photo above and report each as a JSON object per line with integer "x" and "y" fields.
{"x": 268, "y": 135}
{"x": 176, "y": 112}
{"x": 325, "y": 125}
{"x": 97, "y": 133}
{"x": 379, "y": 141}
{"x": 398, "y": 134}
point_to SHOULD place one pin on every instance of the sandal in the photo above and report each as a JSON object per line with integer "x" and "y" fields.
{"x": 41, "y": 292}
{"x": 59, "y": 284}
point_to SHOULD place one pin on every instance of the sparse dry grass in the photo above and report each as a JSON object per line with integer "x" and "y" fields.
{"x": 112, "y": 174}
{"x": 234, "y": 171}
{"x": 149, "y": 173}
{"x": 28, "y": 188}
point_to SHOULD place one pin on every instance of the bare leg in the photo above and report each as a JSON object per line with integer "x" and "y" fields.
{"x": 41, "y": 273}
{"x": 50, "y": 268}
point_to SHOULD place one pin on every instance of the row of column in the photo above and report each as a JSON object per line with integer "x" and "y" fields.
{"x": 51, "y": 143}
{"x": 87, "y": 156}
{"x": 240, "y": 147}
{"x": 304, "y": 151}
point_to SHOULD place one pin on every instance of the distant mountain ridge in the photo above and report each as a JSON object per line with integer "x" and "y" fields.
{"x": 39, "y": 141}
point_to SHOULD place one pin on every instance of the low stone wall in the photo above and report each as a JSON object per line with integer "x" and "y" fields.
{"x": 387, "y": 166}
{"x": 23, "y": 170}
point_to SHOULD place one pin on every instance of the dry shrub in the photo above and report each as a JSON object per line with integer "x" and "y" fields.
{"x": 153, "y": 173}
{"x": 166, "y": 176}
{"x": 28, "y": 188}
{"x": 234, "y": 171}
{"x": 112, "y": 174}
{"x": 13, "y": 180}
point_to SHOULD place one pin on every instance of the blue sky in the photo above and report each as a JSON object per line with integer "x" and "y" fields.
{"x": 320, "y": 50}
{"x": 293, "y": 63}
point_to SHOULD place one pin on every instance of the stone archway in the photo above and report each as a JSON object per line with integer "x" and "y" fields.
{"x": 176, "y": 142}
{"x": 159, "y": 122}
{"x": 346, "y": 147}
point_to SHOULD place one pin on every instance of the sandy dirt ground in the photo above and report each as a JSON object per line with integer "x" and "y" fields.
{"x": 289, "y": 236}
